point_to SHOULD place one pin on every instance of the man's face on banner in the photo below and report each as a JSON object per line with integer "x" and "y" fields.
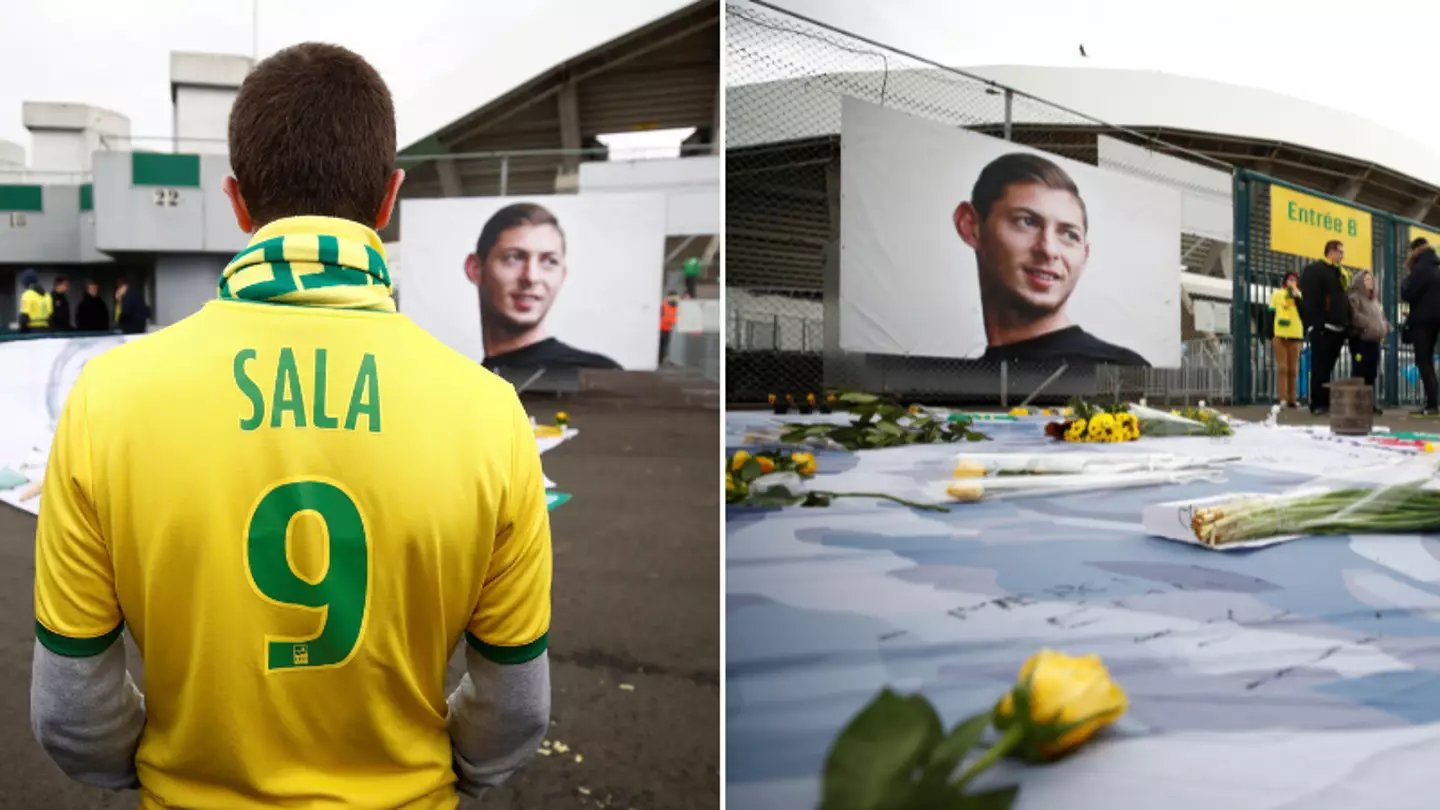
{"x": 520, "y": 277}
{"x": 1031, "y": 249}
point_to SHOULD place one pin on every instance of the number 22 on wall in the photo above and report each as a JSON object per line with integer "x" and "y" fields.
{"x": 340, "y": 597}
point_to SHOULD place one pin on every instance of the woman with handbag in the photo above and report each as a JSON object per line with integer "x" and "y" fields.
{"x": 1289, "y": 334}
{"x": 1370, "y": 328}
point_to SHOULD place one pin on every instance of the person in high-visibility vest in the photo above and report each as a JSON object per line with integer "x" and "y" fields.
{"x": 669, "y": 314}
{"x": 36, "y": 305}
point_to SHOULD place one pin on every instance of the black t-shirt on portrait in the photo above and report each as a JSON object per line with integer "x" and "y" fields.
{"x": 549, "y": 353}
{"x": 1071, "y": 344}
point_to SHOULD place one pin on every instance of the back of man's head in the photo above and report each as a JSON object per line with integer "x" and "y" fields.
{"x": 312, "y": 133}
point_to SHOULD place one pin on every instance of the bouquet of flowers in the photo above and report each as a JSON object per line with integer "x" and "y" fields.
{"x": 1186, "y": 421}
{"x": 877, "y": 423}
{"x": 1398, "y": 499}
{"x": 1093, "y": 423}
{"x": 778, "y": 478}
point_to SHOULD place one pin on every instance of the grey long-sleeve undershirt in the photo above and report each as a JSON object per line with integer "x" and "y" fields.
{"x": 88, "y": 716}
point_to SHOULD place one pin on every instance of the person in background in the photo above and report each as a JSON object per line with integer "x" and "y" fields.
{"x": 132, "y": 314}
{"x": 1289, "y": 334}
{"x": 669, "y": 314}
{"x": 1370, "y": 328}
{"x": 1326, "y": 313}
{"x": 1421, "y": 290}
{"x": 91, "y": 314}
{"x": 693, "y": 269}
{"x": 60, "y": 318}
{"x": 36, "y": 305}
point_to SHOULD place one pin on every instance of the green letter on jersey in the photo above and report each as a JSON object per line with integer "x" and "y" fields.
{"x": 288, "y": 396}
{"x": 319, "y": 417}
{"x": 365, "y": 398}
{"x": 342, "y": 594}
{"x": 250, "y": 390}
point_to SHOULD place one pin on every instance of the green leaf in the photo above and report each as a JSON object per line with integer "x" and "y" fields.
{"x": 819, "y": 430}
{"x": 891, "y": 428}
{"x": 998, "y": 799}
{"x": 858, "y": 398}
{"x": 794, "y": 436}
{"x": 871, "y": 765}
{"x": 750, "y": 470}
{"x": 951, "y": 751}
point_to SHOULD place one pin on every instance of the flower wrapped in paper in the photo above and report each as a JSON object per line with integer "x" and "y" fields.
{"x": 1181, "y": 422}
{"x": 1390, "y": 499}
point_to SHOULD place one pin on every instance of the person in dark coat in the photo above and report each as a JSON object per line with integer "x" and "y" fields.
{"x": 1421, "y": 290}
{"x": 91, "y": 314}
{"x": 1325, "y": 310}
{"x": 60, "y": 318}
{"x": 132, "y": 314}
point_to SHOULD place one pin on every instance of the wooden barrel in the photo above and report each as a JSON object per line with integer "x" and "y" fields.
{"x": 1352, "y": 407}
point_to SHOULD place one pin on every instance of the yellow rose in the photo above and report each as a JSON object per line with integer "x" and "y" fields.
{"x": 766, "y": 465}
{"x": 1069, "y": 700}
{"x": 738, "y": 460}
{"x": 1429, "y": 447}
{"x": 968, "y": 491}
{"x": 1019, "y": 412}
{"x": 561, "y": 418}
{"x": 1069, "y": 412}
{"x": 804, "y": 463}
{"x": 1045, "y": 412}
{"x": 729, "y": 483}
{"x": 970, "y": 469}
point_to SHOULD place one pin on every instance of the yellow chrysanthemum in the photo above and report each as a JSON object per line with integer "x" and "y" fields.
{"x": 1076, "y": 431}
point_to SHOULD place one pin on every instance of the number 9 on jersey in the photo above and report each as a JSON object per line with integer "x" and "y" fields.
{"x": 341, "y": 596}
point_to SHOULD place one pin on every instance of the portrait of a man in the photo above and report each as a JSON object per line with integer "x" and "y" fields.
{"x": 1029, "y": 228}
{"x": 519, "y": 268}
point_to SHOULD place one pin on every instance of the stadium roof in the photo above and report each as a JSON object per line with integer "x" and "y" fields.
{"x": 662, "y": 75}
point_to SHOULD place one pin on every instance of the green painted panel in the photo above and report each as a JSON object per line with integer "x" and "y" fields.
{"x": 157, "y": 169}
{"x": 22, "y": 198}
{"x": 87, "y": 197}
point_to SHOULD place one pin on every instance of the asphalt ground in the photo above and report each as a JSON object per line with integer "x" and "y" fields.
{"x": 635, "y": 636}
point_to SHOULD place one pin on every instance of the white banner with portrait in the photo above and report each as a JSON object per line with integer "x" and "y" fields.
{"x": 551, "y": 281}
{"x": 959, "y": 245}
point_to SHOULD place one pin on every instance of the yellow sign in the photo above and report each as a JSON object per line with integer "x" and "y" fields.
{"x": 1301, "y": 225}
{"x": 1420, "y": 233}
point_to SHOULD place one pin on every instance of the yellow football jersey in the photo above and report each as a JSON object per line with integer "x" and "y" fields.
{"x": 298, "y": 511}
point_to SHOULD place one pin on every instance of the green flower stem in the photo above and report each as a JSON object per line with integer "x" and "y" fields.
{"x": 929, "y": 507}
{"x": 1008, "y": 741}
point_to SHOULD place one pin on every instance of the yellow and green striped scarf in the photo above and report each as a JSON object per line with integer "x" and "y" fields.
{"x": 311, "y": 261}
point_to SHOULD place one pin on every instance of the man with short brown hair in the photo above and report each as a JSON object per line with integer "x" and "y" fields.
{"x": 260, "y": 493}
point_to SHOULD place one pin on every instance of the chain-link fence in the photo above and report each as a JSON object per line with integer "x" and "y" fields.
{"x": 786, "y": 77}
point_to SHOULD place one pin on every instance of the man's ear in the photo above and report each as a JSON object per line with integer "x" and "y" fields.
{"x": 231, "y": 188}
{"x": 392, "y": 193}
{"x": 967, "y": 224}
{"x": 472, "y": 269}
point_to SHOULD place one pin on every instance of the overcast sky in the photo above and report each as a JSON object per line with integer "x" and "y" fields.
{"x": 441, "y": 58}
{"x": 1374, "y": 59}
{"x": 444, "y": 58}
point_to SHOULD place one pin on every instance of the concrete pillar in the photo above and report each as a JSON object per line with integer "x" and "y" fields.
{"x": 183, "y": 283}
{"x": 568, "y": 181}
{"x": 12, "y": 156}
{"x": 66, "y": 136}
{"x": 203, "y": 87}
